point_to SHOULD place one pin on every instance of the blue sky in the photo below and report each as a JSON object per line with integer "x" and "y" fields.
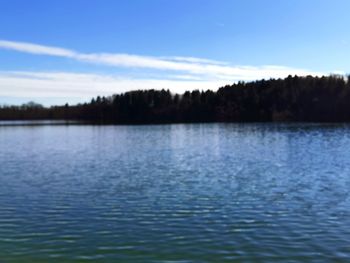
{"x": 61, "y": 51}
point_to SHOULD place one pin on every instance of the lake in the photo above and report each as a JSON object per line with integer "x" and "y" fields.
{"x": 174, "y": 193}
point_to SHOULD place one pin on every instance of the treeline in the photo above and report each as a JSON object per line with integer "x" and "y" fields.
{"x": 305, "y": 99}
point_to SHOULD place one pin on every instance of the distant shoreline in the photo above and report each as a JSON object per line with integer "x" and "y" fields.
{"x": 293, "y": 99}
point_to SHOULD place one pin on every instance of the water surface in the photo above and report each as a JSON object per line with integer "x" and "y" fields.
{"x": 175, "y": 193}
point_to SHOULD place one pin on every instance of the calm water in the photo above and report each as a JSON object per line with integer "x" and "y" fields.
{"x": 175, "y": 193}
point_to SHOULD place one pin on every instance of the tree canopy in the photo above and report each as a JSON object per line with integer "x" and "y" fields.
{"x": 306, "y": 99}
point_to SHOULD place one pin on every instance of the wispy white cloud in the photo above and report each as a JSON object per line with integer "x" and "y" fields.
{"x": 36, "y": 49}
{"x": 194, "y": 60}
{"x": 178, "y": 74}
{"x": 207, "y": 69}
{"x": 85, "y": 86}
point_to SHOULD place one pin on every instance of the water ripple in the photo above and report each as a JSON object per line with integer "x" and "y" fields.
{"x": 175, "y": 193}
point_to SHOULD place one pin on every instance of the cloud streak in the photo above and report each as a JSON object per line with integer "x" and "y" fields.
{"x": 86, "y": 86}
{"x": 177, "y": 74}
{"x": 207, "y": 69}
{"x": 36, "y": 49}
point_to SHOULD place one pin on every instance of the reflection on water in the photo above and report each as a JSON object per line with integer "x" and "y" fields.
{"x": 37, "y": 123}
{"x": 175, "y": 193}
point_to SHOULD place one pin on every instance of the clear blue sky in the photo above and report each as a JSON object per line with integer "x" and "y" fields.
{"x": 122, "y": 45}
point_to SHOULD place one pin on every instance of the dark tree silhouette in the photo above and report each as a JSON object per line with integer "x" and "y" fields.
{"x": 305, "y": 99}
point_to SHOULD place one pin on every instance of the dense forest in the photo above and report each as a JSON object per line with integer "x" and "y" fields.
{"x": 305, "y": 99}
